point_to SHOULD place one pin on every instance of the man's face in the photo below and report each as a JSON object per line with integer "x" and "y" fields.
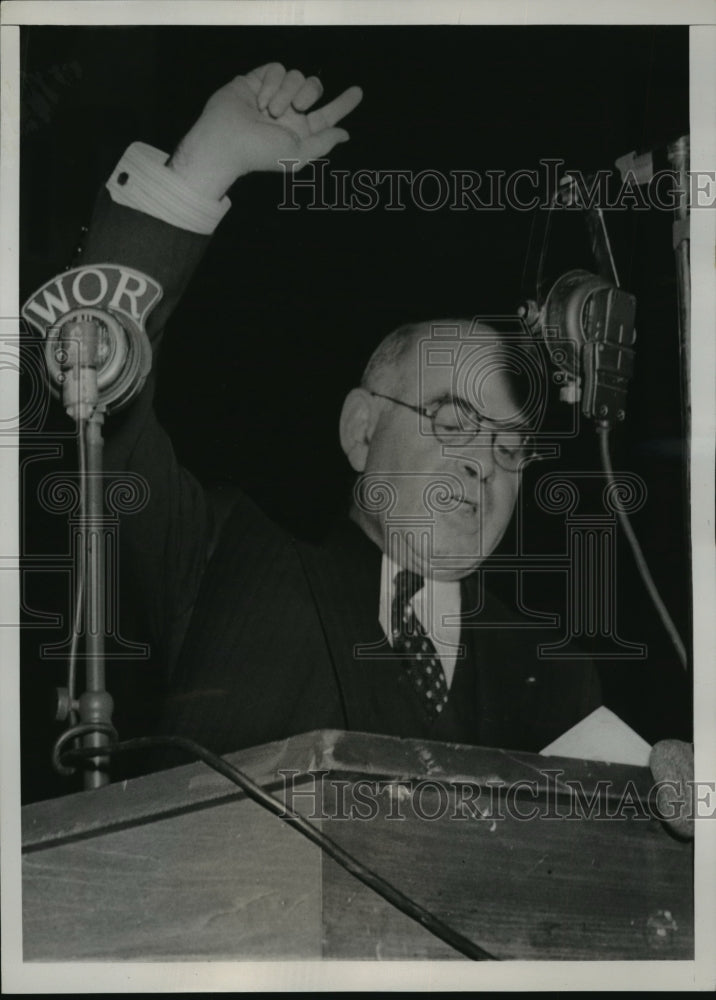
{"x": 438, "y": 509}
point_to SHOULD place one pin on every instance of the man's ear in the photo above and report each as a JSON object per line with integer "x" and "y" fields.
{"x": 356, "y": 427}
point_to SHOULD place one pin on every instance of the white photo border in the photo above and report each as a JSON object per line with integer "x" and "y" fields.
{"x": 458, "y": 976}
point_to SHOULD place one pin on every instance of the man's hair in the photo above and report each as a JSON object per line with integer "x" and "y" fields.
{"x": 385, "y": 363}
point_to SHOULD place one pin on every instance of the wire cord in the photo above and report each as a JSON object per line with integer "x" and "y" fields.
{"x": 603, "y": 434}
{"x": 356, "y": 868}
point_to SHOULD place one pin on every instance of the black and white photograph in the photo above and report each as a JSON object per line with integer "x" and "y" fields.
{"x": 359, "y": 431}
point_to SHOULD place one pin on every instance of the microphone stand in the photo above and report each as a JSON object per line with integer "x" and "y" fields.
{"x": 81, "y": 398}
{"x": 95, "y": 703}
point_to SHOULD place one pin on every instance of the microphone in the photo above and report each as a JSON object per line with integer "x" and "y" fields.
{"x": 98, "y": 357}
{"x": 586, "y": 320}
{"x": 587, "y": 326}
{"x": 92, "y": 321}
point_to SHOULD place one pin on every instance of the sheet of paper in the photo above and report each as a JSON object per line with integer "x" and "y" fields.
{"x": 601, "y": 736}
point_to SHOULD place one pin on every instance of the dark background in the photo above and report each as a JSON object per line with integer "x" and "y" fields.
{"x": 287, "y": 306}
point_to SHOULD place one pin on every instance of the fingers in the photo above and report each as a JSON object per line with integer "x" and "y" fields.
{"x": 276, "y": 90}
{"x": 308, "y": 94}
{"x": 271, "y": 76}
{"x": 292, "y": 83}
{"x": 256, "y": 77}
{"x": 335, "y": 110}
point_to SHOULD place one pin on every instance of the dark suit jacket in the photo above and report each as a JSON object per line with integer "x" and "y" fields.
{"x": 265, "y": 635}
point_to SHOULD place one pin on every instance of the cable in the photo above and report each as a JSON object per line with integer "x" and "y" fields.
{"x": 608, "y": 245}
{"x": 73, "y": 733}
{"x": 603, "y": 434}
{"x": 370, "y": 878}
{"x": 539, "y": 277}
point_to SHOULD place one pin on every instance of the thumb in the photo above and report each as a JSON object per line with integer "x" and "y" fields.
{"x": 321, "y": 143}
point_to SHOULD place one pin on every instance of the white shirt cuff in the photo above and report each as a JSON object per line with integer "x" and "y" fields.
{"x": 141, "y": 180}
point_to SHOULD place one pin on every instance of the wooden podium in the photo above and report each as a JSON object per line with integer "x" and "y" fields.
{"x": 523, "y": 854}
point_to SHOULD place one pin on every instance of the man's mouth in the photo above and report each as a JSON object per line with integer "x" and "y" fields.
{"x": 466, "y": 503}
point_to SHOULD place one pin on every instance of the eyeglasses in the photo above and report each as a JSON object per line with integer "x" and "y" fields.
{"x": 455, "y": 422}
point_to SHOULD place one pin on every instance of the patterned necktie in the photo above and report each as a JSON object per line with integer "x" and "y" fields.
{"x": 410, "y": 639}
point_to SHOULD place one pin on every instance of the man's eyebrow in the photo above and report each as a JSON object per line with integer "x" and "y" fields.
{"x": 449, "y": 397}
{"x": 493, "y": 422}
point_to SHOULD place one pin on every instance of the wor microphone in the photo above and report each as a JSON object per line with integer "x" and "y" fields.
{"x": 96, "y": 349}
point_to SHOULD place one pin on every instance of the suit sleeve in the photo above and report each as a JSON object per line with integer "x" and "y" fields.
{"x": 163, "y": 548}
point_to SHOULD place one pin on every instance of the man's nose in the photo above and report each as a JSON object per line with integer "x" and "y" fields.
{"x": 480, "y": 464}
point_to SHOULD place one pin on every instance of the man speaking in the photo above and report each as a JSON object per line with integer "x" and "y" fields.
{"x": 380, "y": 627}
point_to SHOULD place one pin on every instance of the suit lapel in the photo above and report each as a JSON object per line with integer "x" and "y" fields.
{"x": 344, "y": 576}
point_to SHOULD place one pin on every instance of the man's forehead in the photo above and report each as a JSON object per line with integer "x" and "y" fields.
{"x": 466, "y": 369}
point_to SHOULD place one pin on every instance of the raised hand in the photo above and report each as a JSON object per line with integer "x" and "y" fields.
{"x": 257, "y": 120}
